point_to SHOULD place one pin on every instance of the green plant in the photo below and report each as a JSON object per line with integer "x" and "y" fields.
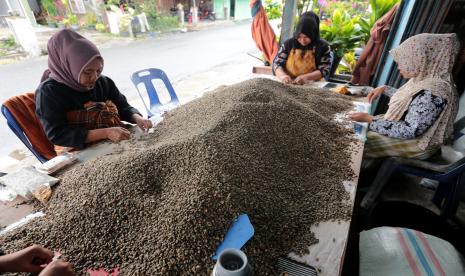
{"x": 125, "y": 18}
{"x": 156, "y": 21}
{"x": 8, "y": 43}
{"x": 348, "y": 63}
{"x": 73, "y": 19}
{"x": 50, "y": 8}
{"x": 377, "y": 9}
{"x": 273, "y": 10}
{"x": 342, "y": 32}
{"x": 70, "y": 20}
{"x": 111, "y": 3}
{"x": 90, "y": 19}
{"x": 100, "y": 27}
{"x": 149, "y": 8}
{"x": 164, "y": 23}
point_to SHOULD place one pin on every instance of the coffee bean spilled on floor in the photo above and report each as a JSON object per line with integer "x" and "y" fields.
{"x": 162, "y": 206}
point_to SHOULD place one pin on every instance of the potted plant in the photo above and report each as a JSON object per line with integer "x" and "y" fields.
{"x": 343, "y": 32}
{"x": 51, "y": 22}
{"x": 125, "y": 19}
{"x": 61, "y": 23}
{"x": 50, "y": 8}
{"x": 73, "y": 22}
{"x": 111, "y": 3}
{"x": 52, "y": 11}
{"x": 347, "y": 64}
{"x": 90, "y": 20}
{"x": 100, "y": 27}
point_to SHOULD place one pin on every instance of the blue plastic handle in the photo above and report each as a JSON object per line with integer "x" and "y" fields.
{"x": 240, "y": 232}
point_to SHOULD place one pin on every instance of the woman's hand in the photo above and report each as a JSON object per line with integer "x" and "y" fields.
{"x": 375, "y": 93}
{"x": 117, "y": 134}
{"x": 361, "y": 117}
{"x": 300, "y": 80}
{"x": 283, "y": 76}
{"x": 286, "y": 79}
{"x": 142, "y": 123}
{"x": 32, "y": 259}
{"x": 58, "y": 268}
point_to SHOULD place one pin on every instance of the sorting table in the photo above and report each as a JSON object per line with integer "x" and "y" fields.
{"x": 327, "y": 255}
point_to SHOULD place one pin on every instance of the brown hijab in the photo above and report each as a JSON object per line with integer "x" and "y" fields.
{"x": 68, "y": 54}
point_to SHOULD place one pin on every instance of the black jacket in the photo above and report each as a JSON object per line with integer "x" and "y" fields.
{"x": 54, "y": 100}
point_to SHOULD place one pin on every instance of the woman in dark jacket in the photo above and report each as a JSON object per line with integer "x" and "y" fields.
{"x": 75, "y": 103}
{"x": 305, "y": 56}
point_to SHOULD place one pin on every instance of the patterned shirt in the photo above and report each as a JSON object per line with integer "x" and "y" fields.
{"x": 422, "y": 113}
{"x": 323, "y": 57}
{"x": 55, "y": 100}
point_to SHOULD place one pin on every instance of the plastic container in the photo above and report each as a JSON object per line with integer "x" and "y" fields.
{"x": 232, "y": 262}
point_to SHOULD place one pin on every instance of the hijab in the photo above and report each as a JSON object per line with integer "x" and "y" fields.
{"x": 68, "y": 54}
{"x": 309, "y": 25}
{"x": 431, "y": 58}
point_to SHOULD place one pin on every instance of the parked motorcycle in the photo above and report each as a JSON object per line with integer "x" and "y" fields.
{"x": 201, "y": 15}
{"x": 207, "y": 14}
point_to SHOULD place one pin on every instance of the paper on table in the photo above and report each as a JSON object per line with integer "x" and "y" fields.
{"x": 26, "y": 180}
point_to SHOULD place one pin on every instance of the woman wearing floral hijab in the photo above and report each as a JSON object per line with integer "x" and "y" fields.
{"x": 75, "y": 104}
{"x": 305, "y": 56}
{"x": 421, "y": 113}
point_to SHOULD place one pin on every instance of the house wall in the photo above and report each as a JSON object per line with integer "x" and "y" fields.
{"x": 165, "y": 5}
{"x": 14, "y": 4}
{"x": 218, "y": 7}
{"x": 242, "y": 9}
{"x": 20, "y": 6}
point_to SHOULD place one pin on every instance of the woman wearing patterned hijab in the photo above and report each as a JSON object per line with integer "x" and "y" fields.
{"x": 305, "y": 56}
{"x": 421, "y": 113}
{"x": 75, "y": 104}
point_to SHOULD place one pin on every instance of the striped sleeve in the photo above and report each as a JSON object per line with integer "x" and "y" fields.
{"x": 324, "y": 63}
{"x": 281, "y": 58}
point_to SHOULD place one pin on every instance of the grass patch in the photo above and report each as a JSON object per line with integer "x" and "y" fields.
{"x": 163, "y": 23}
{"x": 8, "y": 43}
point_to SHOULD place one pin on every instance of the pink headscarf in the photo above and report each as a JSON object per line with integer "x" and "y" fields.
{"x": 68, "y": 54}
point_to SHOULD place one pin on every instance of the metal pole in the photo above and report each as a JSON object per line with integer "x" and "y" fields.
{"x": 194, "y": 13}
{"x": 290, "y": 7}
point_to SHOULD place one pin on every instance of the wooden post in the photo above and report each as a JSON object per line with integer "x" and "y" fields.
{"x": 290, "y": 7}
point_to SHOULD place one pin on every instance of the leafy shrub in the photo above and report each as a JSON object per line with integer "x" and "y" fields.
{"x": 377, "y": 9}
{"x": 163, "y": 23}
{"x": 100, "y": 27}
{"x": 342, "y": 32}
{"x": 273, "y": 10}
{"x": 8, "y": 43}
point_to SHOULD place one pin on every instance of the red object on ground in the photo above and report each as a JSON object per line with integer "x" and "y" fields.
{"x": 262, "y": 33}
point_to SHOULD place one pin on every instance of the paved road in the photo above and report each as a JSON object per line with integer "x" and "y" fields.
{"x": 179, "y": 55}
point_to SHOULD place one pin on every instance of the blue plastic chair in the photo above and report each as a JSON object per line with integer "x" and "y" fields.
{"x": 146, "y": 76}
{"x": 450, "y": 175}
{"x": 14, "y": 126}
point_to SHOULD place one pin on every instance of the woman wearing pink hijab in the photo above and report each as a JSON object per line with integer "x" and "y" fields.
{"x": 75, "y": 104}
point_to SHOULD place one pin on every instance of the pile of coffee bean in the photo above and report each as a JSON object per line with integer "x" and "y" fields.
{"x": 163, "y": 205}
